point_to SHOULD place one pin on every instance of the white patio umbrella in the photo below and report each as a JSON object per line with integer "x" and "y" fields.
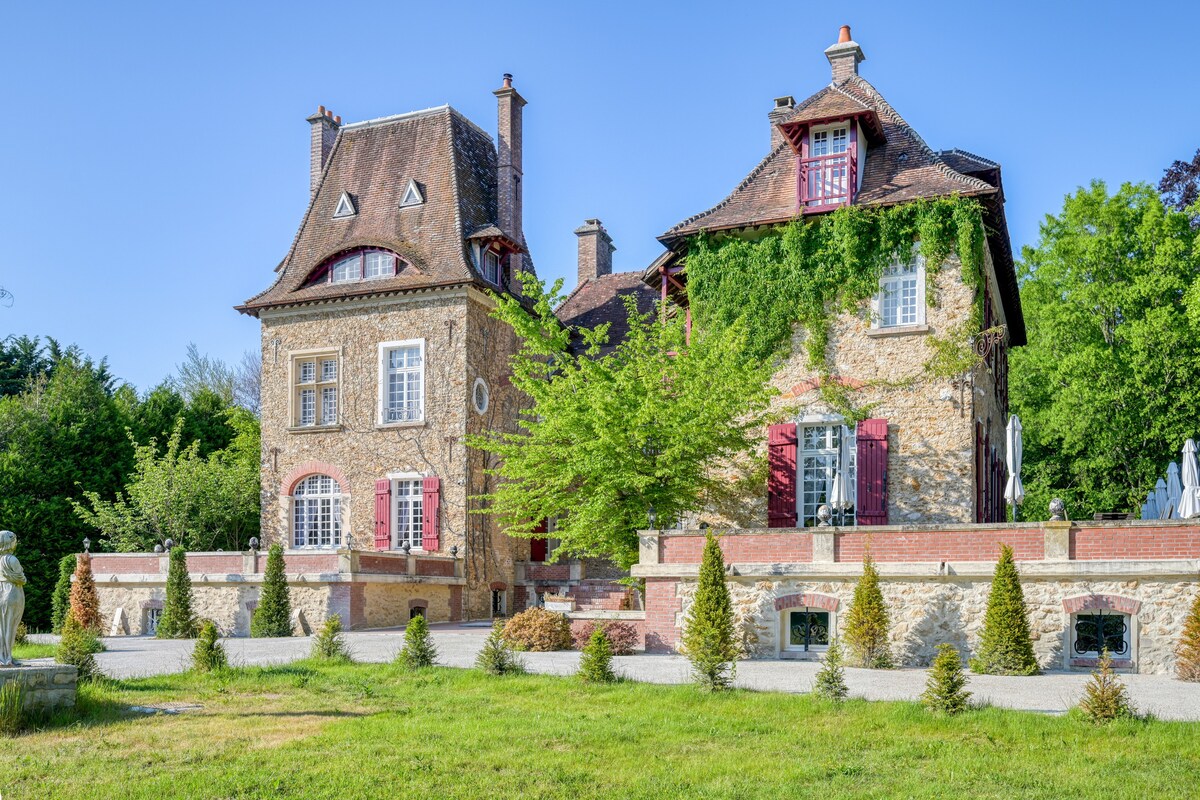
{"x": 1150, "y": 508}
{"x": 1014, "y": 492}
{"x": 1174, "y": 492}
{"x": 1160, "y": 498}
{"x": 1189, "y": 504}
{"x": 839, "y": 488}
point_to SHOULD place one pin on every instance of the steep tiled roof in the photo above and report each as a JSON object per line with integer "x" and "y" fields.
{"x": 453, "y": 162}
{"x": 901, "y": 169}
{"x": 601, "y": 300}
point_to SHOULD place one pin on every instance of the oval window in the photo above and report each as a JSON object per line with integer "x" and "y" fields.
{"x": 480, "y": 396}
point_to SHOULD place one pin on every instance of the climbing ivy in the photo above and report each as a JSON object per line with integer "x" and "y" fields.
{"x": 814, "y": 268}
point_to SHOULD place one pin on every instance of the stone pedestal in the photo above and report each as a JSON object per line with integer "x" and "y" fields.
{"x": 44, "y": 686}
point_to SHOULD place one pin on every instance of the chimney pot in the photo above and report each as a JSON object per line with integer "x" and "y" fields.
{"x": 338, "y": 119}
{"x": 321, "y": 110}
{"x": 779, "y": 114}
{"x": 844, "y": 34}
{"x": 508, "y": 80}
{"x": 845, "y": 56}
{"x": 329, "y": 113}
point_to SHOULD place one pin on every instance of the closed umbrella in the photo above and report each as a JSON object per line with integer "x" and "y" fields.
{"x": 1014, "y": 492}
{"x": 1150, "y": 507}
{"x": 1174, "y": 491}
{"x": 1160, "y": 498}
{"x": 1189, "y": 504}
{"x": 839, "y": 489}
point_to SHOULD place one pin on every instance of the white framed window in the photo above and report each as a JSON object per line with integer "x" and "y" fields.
{"x": 317, "y": 512}
{"x": 407, "y": 513}
{"x": 1097, "y": 630}
{"x": 901, "y": 298}
{"x": 402, "y": 382}
{"x": 364, "y": 265}
{"x": 347, "y": 269}
{"x": 491, "y": 267}
{"x": 830, "y": 140}
{"x": 315, "y": 391}
{"x": 806, "y": 630}
{"x": 828, "y": 456}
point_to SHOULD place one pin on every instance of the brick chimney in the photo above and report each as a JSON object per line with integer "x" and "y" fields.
{"x": 508, "y": 171}
{"x": 845, "y": 56}
{"x": 782, "y": 110}
{"x": 324, "y": 130}
{"x": 595, "y": 250}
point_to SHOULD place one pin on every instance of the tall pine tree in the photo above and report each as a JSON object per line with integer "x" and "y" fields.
{"x": 177, "y": 620}
{"x": 60, "y": 601}
{"x": 867, "y": 622}
{"x": 273, "y": 615}
{"x": 1006, "y": 647}
{"x": 708, "y": 636}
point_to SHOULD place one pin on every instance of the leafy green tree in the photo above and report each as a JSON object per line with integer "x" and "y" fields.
{"x": 1180, "y": 183}
{"x": 178, "y": 621}
{"x": 202, "y": 503}
{"x": 830, "y": 682}
{"x": 595, "y": 662}
{"x": 1107, "y": 386}
{"x": 1005, "y": 647}
{"x": 867, "y": 622}
{"x": 418, "y": 650}
{"x": 60, "y": 602}
{"x": 22, "y": 359}
{"x": 607, "y": 437}
{"x": 709, "y": 640}
{"x": 945, "y": 689}
{"x": 62, "y": 436}
{"x": 273, "y": 614}
{"x": 209, "y": 654}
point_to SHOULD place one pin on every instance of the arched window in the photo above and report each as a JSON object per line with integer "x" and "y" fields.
{"x": 364, "y": 264}
{"x": 317, "y": 512}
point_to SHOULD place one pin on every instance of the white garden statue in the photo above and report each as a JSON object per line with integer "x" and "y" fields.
{"x": 12, "y": 596}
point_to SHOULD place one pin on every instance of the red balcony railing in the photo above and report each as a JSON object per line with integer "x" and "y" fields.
{"x": 828, "y": 180}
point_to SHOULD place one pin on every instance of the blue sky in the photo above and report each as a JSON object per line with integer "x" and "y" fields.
{"x": 157, "y": 155}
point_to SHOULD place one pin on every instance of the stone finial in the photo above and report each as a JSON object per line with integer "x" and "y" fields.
{"x": 1058, "y": 510}
{"x": 824, "y": 515}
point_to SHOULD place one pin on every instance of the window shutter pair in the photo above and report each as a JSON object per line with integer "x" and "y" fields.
{"x": 431, "y": 491}
{"x": 872, "y": 498}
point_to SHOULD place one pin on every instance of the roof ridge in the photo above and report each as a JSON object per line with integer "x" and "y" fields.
{"x": 745, "y": 181}
{"x": 911, "y": 132}
{"x": 455, "y": 193}
{"x": 968, "y": 154}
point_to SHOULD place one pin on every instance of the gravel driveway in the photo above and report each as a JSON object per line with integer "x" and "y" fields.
{"x": 1053, "y": 693}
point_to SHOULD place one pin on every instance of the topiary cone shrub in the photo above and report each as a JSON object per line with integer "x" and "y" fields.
{"x": 595, "y": 663}
{"x": 1005, "y": 647}
{"x": 330, "y": 644}
{"x": 85, "y": 603}
{"x": 1187, "y": 656}
{"x": 830, "y": 682}
{"x": 538, "y": 630}
{"x": 867, "y": 622}
{"x": 77, "y": 648}
{"x": 60, "y": 601}
{"x": 708, "y": 637}
{"x": 273, "y": 614}
{"x": 177, "y": 620}
{"x": 497, "y": 657}
{"x": 209, "y": 654}
{"x": 945, "y": 688}
{"x": 418, "y": 650}
{"x": 1105, "y": 697}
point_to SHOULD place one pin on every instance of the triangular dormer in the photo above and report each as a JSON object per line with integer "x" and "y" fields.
{"x": 345, "y": 207}
{"x": 412, "y": 195}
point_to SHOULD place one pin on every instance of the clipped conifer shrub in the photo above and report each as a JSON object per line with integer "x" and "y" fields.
{"x": 329, "y": 643}
{"x": 273, "y": 614}
{"x": 708, "y": 638}
{"x": 418, "y": 650}
{"x": 595, "y": 663}
{"x": 1187, "y": 655}
{"x": 84, "y": 602}
{"x": 1105, "y": 697}
{"x": 538, "y": 630}
{"x": 497, "y": 657}
{"x": 622, "y": 636}
{"x": 945, "y": 688}
{"x": 77, "y": 647}
{"x": 60, "y": 600}
{"x": 209, "y": 654}
{"x": 1005, "y": 647}
{"x": 178, "y": 621}
{"x": 830, "y": 682}
{"x": 868, "y": 622}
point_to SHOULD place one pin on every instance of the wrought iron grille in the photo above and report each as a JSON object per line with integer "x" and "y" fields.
{"x": 1095, "y": 633}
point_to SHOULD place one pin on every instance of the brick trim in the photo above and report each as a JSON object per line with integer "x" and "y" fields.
{"x": 417, "y": 602}
{"x": 1107, "y": 602}
{"x": 808, "y": 600}
{"x": 499, "y": 586}
{"x": 809, "y": 384}
{"x": 152, "y": 604}
{"x": 301, "y": 471}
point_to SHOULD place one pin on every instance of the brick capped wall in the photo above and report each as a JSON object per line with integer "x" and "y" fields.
{"x": 1152, "y": 542}
{"x": 940, "y": 545}
{"x": 757, "y": 548}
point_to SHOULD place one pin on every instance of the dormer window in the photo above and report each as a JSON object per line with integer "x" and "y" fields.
{"x": 491, "y": 267}
{"x": 361, "y": 265}
{"x": 829, "y": 165}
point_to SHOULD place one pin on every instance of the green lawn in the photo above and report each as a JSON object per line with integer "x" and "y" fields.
{"x": 310, "y": 731}
{"x": 32, "y": 650}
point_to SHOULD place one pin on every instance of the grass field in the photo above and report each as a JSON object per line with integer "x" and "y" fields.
{"x": 315, "y": 731}
{"x": 32, "y": 650}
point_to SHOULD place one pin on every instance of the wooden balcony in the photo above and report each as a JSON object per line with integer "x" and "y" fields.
{"x": 828, "y": 181}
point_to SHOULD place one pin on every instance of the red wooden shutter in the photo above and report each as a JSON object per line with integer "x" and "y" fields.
{"x": 539, "y": 545}
{"x": 431, "y": 490}
{"x": 781, "y": 482}
{"x": 872, "y": 472}
{"x": 383, "y": 514}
